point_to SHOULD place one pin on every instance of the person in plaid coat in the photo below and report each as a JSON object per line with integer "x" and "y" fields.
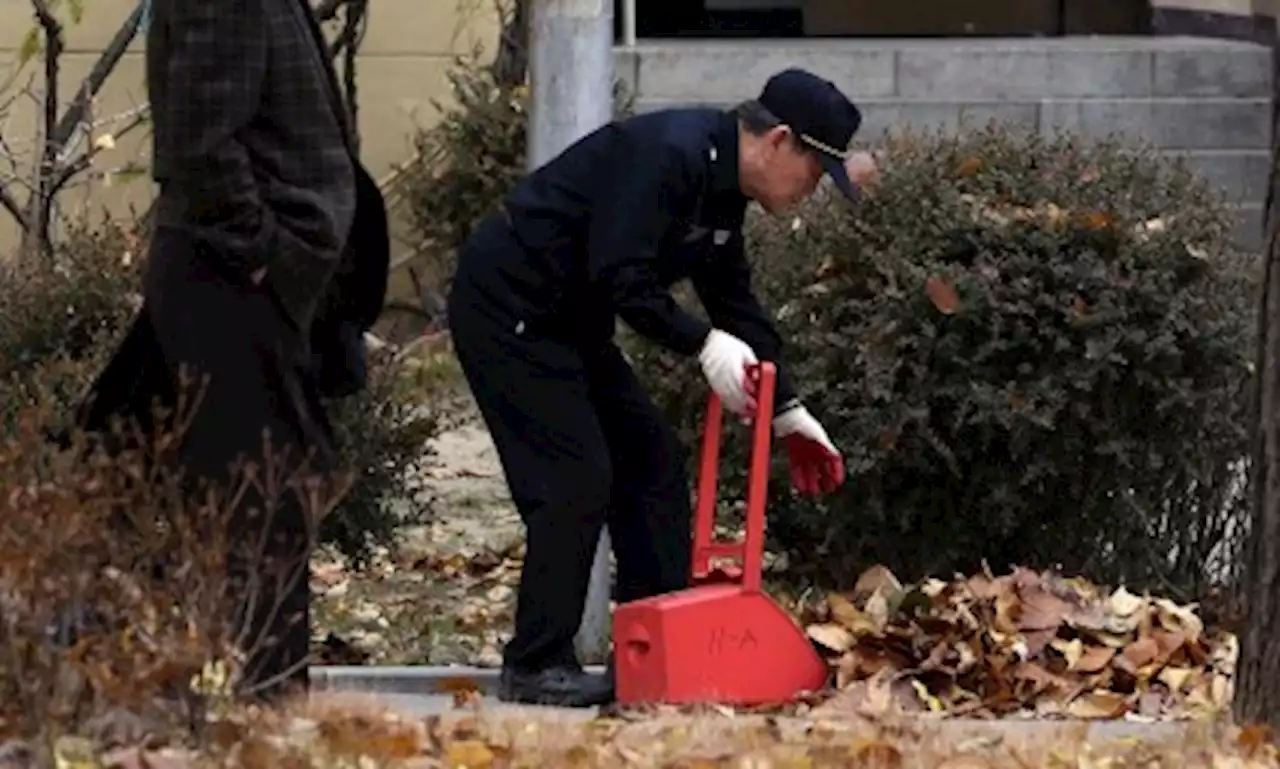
{"x": 267, "y": 264}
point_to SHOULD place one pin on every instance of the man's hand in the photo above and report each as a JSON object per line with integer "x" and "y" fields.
{"x": 724, "y": 360}
{"x": 816, "y": 466}
{"x": 863, "y": 171}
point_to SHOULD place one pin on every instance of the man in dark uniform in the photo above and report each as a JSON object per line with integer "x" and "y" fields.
{"x": 599, "y": 233}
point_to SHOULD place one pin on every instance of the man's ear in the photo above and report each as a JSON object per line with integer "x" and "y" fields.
{"x": 778, "y": 136}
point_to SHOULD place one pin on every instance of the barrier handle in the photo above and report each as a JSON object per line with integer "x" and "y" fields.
{"x": 749, "y": 550}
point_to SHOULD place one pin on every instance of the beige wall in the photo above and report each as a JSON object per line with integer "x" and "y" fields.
{"x": 401, "y": 69}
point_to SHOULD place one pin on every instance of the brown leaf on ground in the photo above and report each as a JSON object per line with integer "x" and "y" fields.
{"x": 1021, "y": 643}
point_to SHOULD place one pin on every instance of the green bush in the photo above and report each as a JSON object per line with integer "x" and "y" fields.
{"x": 63, "y": 318}
{"x": 1029, "y": 350}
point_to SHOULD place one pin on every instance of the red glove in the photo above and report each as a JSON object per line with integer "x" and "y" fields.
{"x": 816, "y": 466}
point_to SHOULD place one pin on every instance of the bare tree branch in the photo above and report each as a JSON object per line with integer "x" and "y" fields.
{"x": 102, "y": 69}
{"x": 53, "y": 164}
{"x": 39, "y": 213}
{"x": 82, "y": 162}
{"x": 15, "y": 210}
{"x": 327, "y": 10}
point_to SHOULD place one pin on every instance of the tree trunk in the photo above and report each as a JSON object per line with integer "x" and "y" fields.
{"x": 1257, "y": 698}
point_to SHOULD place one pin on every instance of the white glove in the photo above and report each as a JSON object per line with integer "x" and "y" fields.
{"x": 724, "y": 360}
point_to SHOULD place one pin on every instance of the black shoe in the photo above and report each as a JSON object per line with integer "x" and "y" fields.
{"x": 564, "y": 687}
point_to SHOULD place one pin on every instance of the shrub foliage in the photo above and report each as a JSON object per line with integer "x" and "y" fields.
{"x": 63, "y": 318}
{"x": 1030, "y": 351}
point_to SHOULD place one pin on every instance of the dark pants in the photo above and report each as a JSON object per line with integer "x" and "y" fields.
{"x": 581, "y": 445}
{"x": 251, "y": 367}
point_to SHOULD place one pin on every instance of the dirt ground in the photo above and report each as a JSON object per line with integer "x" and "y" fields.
{"x": 445, "y": 595}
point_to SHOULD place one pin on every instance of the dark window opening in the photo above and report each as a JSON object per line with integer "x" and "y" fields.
{"x": 667, "y": 19}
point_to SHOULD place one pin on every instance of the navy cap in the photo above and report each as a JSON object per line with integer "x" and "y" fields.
{"x": 820, "y": 115}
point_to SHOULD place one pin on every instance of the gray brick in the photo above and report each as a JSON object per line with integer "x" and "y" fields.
{"x": 1241, "y": 176}
{"x": 1241, "y": 73}
{"x": 1020, "y": 73}
{"x": 880, "y": 116}
{"x": 1248, "y": 230}
{"x": 1100, "y": 73}
{"x": 626, "y": 65}
{"x": 1166, "y": 123}
{"x": 732, "y": 73}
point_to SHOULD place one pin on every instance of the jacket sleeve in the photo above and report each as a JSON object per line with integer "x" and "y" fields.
{"x": 640, "y": 196}
{"x": 214, "y": 72}
{"x": 723, "y": 285}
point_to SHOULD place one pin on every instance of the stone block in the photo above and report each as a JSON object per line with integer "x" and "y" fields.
{"x": 949, "y": 116}
{"x": 1248, "y": 230}
{"x": 1238, "y": 72}
{"x": 1020, "y": 73}
{"x": 1240, "y": 175}
{"x": 1166, "y": 123}
{"x": 736, "y": 72}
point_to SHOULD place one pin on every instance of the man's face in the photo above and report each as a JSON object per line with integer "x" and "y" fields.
{"x": 790, "y": 171}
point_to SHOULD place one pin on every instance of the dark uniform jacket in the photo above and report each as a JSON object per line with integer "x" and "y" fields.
{"x": 607, "y": 228}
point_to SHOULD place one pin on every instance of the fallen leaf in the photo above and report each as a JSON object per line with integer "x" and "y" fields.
{"x": 931, "y": 702}
{"x": 457, "y": 684}
{"x": 1098, "y": 705}
{"x": 1179, "y": 619}
{"x": 1123, "y": 603}
{"x": 969, "y": 167}
{"x": 469, "y": 754}
{"x": 875, "y": 579}
{"x": 943, "y": 296}
{"x": 875, "y": 753}
{"x": 1253, "y": 738}
{"x": 1095, "y": 658}
{"x": 833, "y": 637}
{"x": 1097, "y": 221}
{"x": 848, "y": 615}
{"x": 1138, "y": 655}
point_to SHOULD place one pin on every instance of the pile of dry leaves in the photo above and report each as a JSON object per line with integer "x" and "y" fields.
{"x": 1024, "y": 644}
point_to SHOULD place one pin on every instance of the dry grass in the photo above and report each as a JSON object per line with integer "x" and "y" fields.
{"x": 121, "y": 592}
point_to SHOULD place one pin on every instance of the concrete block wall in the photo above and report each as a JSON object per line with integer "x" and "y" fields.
{"x": 1208, "y": 100}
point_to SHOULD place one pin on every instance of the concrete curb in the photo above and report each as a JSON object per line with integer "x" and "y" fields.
{"x": 418, "y": 690}
{"x": 407, "y": 679}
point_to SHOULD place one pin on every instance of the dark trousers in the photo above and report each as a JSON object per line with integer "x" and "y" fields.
{"x": 253, "y": 385}
{"x": 582, "y": 446}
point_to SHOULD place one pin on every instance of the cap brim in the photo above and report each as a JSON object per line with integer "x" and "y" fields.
{"x": 834, "y": 167}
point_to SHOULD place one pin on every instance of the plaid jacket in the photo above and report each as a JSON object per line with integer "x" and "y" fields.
{"x": 252, "y": 144}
